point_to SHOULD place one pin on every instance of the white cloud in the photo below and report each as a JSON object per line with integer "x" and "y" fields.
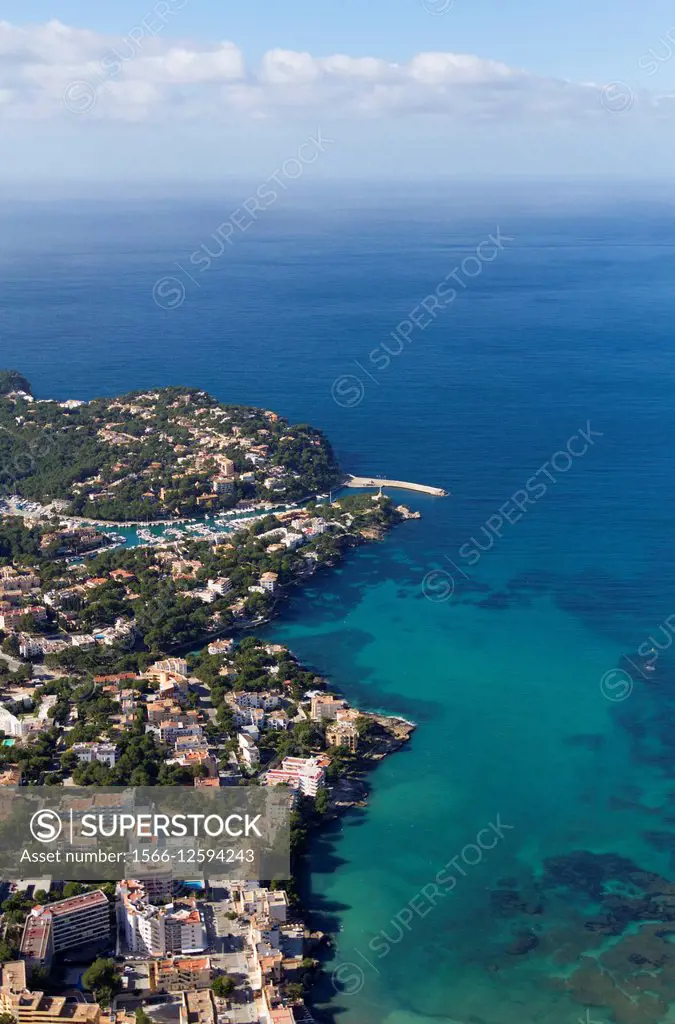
{"x": 53, "y": 70}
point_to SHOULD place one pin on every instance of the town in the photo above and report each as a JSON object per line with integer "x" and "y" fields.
{"x": 138, "y": 666}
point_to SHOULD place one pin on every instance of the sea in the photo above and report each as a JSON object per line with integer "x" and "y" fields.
{"x": 508, "y": 859}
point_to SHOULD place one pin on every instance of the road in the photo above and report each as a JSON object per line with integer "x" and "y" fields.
{"x": 228, "y": 942}
{"x": 14, "y": 665}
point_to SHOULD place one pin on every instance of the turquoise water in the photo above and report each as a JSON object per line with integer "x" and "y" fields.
{"x": 504, "y": 677}
{"x": 511, "y": 723}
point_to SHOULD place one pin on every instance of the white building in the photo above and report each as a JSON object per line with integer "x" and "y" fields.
{"x": 221, "y": 646}
{"x": 220, "y": 586}
{"x": 104, "y": 753}
{"x": 248, "y": 751}
{"x": 21, "y": 726}
{"x": 266, "y": 701}
{"x": 29, "y": 647}
{"x": 268, "y": 582}
{"x": 303, "y": 773}
{"x": 177, "y": 928}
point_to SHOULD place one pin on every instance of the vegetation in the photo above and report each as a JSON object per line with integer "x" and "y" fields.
{"x": 103, "y": 979}
{"x": 142, "y": 456}
{"x": 12, "y": 380}
{"x": 223, "y": 986}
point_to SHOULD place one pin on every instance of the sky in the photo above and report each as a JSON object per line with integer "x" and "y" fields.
{"x": 196, "y": 90}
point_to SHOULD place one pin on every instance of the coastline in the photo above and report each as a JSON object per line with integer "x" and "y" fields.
{"x": 349, "y": 793}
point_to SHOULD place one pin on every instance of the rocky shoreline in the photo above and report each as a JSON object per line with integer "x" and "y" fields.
{"x": 352, "y": 790}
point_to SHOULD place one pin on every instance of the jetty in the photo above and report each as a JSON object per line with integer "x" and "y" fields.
{"x": 371, "y": 481}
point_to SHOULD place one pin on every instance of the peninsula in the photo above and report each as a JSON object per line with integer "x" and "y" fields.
{"x": 155, "y": 455}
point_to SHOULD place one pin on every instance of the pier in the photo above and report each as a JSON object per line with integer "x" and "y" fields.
{"x": 371, "y": 481}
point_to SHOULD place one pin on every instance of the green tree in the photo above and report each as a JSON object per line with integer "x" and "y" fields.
{"x": 223, "y": 986}
{"x": 12, "y": 380}
{"x": 8, "y": 951}
{"x": 71, "y": 889}
{"x": 102, "y": 979}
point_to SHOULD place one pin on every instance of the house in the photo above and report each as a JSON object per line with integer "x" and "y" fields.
{"x": 104, "y": 753}
{"x": 221, "y": 647}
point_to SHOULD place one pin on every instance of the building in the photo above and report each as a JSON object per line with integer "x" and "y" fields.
{"x": 185, "y": 975}
{"x": 269, "y": 581}
{"x": 197, "y": 1008}
{"x": 11, "y": 579}
{"x": 10, "y": 777}
{"x": 21, "y": 726}
{"x": 249, "y": 753}
{"x": 222, "y": 485}
{"x": 28, "y": 1007}
{"x": 221, "y": 647}
{"x": 29, "y": 647}
{"x": 252, "y": 902}
{"x": 250, "y": 716}
{"x": 168, "y": 669}
{"x": 10, "y": 618}
{"x": 177, "y": 928}
{"x": 266, "y": 701}
{"x": 220, "y": 586}
{"x": 282, "y": 1015}
{"x": 343, "y": 734}
{"x": 324, "y": 707}
{"x": 278, "y": 720}
{"x": 104, "y": 753}
{"x": 306, "y": 774}
{"x": 64, "y": 925}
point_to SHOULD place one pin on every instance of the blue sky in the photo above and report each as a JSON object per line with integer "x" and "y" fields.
{"x": 581, "y": 39}
{"x": 521, "y": 87}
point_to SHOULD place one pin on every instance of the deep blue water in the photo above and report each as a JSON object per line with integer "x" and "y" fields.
{"x": 570, "y": 325}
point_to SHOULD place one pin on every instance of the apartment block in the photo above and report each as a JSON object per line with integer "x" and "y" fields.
{"x": 63, "y": 925}
{"x": 307, "y": 774}
{"x": 177, "y": 928}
